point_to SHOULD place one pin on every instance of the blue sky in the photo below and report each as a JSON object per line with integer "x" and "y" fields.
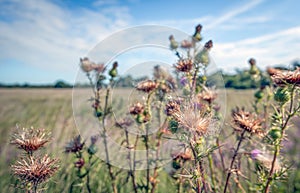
{"x": 41, "y": 41}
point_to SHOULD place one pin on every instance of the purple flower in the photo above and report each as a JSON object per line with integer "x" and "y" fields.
{"x": 255, "y": 153}
{"x": 183, "y": 81}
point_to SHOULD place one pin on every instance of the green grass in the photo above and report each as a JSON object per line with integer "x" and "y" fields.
{"x": 52, "y": 109}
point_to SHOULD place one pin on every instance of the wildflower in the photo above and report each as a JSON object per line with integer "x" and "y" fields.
{"x": 207, "y": 95}
{"x": 113, "y": 72}
{"x": 173, "y": 43}
{"x": 197, "y": 35}
{"x": 193, "y": 120}
{"x": 184, "y": 65}
{"x": 35, "y": 170}
{"x": 146, "y": 86}
{"x": 203, "y": 56}
{"x": 253, "y": 68}
{"x": 172, "y": 107}
{"x": 136, "y": 109}
{"x": 283, "y": 78}
{"x": 86, "y": 65}
{"x": 186, "y": 44}
{"x": 80, "y": 163}
{"x": 273, "y": 71}
{"x": 247, "y": 121}
{"x": 30, "y": 139}
{"x": 75, "y": 145}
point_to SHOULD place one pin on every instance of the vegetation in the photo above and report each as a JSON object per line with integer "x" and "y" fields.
{"x": 174, "y": 134}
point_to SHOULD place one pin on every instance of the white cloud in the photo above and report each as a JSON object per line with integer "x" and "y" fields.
{"x": 233, "y": 13}
{"x": 46, "y": 35}
{"x": 277, "y": 48}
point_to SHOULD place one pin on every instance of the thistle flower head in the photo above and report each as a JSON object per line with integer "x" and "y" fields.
{"x": 208, "y": 45}
{"x": 30, "y": 139}
{"x": 172, "y": 107}
{"x": 137, "y": 108}
{"x": 186, "y": 44}
{"x": 252, "y": 61}
{"x": 35, "y": 170}
{"x": 282, "y": 78}
{"x": 208, "y": 95}
{"x": 193, "y": 120}
{"x": 146, "y": 86}
{"x": 75, "y": 145}
{"x": 86, "y": 65}
{"x": 247, "y": 121}
{"x": 184, "y": 65}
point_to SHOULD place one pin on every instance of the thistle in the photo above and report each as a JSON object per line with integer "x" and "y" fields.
{"x": 35, "y": 170}
{"x": 30, "y": 139}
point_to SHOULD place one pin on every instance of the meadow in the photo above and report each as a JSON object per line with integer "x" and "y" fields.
{"x": 52, "y": 109}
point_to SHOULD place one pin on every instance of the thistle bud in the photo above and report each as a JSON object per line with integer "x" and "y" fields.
{"x": 282, "y": 95}
{"x": 259, "y": 94}
{"x": 275, "y": 133}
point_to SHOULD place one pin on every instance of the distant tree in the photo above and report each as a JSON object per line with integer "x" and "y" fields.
{"x": 62, "y": 84}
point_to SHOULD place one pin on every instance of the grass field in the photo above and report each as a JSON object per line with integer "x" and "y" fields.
{"x": 52, "y": 109}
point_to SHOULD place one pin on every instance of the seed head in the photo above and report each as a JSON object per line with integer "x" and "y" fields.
{"x": 136, "y": 109}
{"x": 193, "y": 120}
{"x": 282, "y": 78}
{"x": 146, "y": 86}
{"x": 247, "y": 121}
{"x": 208, "y": 95}
{"x": 172, "y": 107}
{"x": 184, "y": 65}
{"x": 75, "y": 145}
{"x": 35, "y": 170}
{"x": 30, "y": 139}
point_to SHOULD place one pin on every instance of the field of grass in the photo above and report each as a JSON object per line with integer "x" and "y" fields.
{"x": 52, "y": 109}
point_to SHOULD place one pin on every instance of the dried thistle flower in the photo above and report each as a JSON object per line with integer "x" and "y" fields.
{"x": 30, "y": 139}
{"x": 35, "y": 170}
{"x": 137, "y": 108}
{"x": 193, "y": 120}
{"x": 146, "y": 86}
{"x": 247, "y": 121}
{"x": 75, "y": 145}
{"x": 86, "y": 65}
{"x": 283, "y": 78}
{"x": 273, "y": 71}
{"x": 186, "y": 44}
{"x": 184, "y": 155}
{"x": 172, "y": 107}
{"x": 208, "y": 95}
{"x": 184, "y": 65}
{"x": 79, "y": 163}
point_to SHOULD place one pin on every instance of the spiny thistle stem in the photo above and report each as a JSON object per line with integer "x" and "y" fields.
{"x": 233, "y": 160}
{"x": 212, "y": 173}
{"x": 111, "y": 174}
{"x": 277, "y": 145}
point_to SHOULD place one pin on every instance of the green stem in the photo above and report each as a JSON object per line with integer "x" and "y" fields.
{"x": 213, "y": 178}
{"x": 233, "y": 160}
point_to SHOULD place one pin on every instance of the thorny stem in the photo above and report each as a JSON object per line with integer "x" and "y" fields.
{"x": 213, "y": 178}
{"x": 200, "y": 170}
{"x": 277, "y": 145}
{"x": 111, "y": 174}
{"x": 233, "y": 160}
{"x": 88, "y": 176}
{"x": 155, "y": 173}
